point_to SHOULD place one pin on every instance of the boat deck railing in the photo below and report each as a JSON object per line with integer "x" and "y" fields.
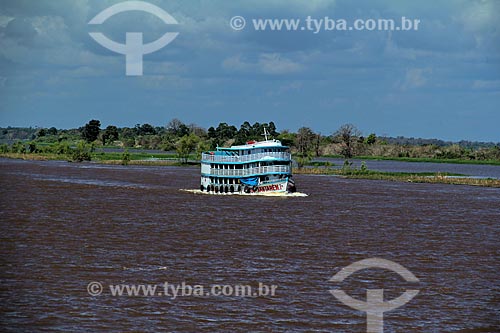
{"x": 251, "y": 171}
{"x": 245, "y": 158}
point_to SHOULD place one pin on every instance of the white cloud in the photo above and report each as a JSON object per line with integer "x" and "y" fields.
{"x": 276, "y": 64}
{"x": 236, "y": 64}
{"x": 165, "y": 82}
{"x": 480, "y": 19}
{"x": 415, "y": 78}
{"x": 267, "y": 63}
{"x": 51, "y": 31}
{"x": 486, "y": 85}
{"x": 4, "y": 20}
{"x": 293, "y": 86}
{"x": 301, "y": 5}
{"x": 480, "y": 15}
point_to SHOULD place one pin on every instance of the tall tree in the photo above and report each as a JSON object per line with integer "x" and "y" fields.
{"x": 317, "y": 144}
{"x": 246, "y": 129}
{"x": 211, "y": 133}
{"x": 146, "y": 129}
{"x": 177, "y": 128}
{"x": 371, "y": 139}
{"x": 287, "y": 138}
{"x": 91, "y": 130}
{"x": 52, "y": 131}
{"x": 41, "y": 132}
{"x": 347, "y": 134}
{"x": 173, "y": 126}
{"x": 197, "y": 130}
{"x": 304, "y": 140}
{"x": 186, "y": 145}
{"x": 109, "y": 134}
{"x": 272, "y": 129}
{"x": 225, "y": 132}
{"x": 257, "y": 130}
{"x": 243, "y": 134}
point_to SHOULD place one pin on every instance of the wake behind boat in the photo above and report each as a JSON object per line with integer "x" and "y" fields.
{"x": 255, "y": 167}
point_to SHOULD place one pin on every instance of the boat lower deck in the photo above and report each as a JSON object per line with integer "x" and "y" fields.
{"x": 279, "y": 185}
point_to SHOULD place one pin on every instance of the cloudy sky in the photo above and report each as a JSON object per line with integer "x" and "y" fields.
{"x": 442, "y": 81}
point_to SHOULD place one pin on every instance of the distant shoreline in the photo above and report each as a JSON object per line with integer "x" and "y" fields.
{"x": 171, "y": 159}
{"x": 418, "y": 159}
{"x": 409, "y": 177}
{"x": 426, "y": 177}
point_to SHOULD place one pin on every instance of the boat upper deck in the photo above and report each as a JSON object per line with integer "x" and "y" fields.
{"x": 256, "y": 144}
{"x": 270, "y": 150}
{"x": 266, "y": 156}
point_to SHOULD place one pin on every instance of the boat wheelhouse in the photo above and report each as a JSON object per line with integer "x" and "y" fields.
{"x": 256, "y": 167}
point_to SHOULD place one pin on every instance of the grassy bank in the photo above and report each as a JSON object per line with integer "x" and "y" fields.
{"x": 106, "y": 158}
{"x": 419, "y": 159}
{"x": 420, "y": 177}
{"x": 35, "y": 157}
{"x": 143, "y": 162}
{"x": 101, "y": 156}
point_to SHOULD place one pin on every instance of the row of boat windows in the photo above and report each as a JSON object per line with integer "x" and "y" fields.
{"x": 246, "y": 166}
{"x": 263, "y": 150}
{"x": 233, "y": 181}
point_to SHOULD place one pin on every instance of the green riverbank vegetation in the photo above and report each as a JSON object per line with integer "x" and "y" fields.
{"x": 177, "y": 142}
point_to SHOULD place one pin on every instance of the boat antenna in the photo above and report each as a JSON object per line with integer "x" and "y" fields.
{"x": 265, "y": 133}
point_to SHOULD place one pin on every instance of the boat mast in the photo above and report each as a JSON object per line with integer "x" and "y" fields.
{"x": 265, "y": 133}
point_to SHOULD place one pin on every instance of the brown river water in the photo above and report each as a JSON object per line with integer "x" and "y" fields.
{"x": 66, "y": 225}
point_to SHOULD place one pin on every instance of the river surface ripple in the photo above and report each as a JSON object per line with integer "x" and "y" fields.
{"x": 65, "y": 225}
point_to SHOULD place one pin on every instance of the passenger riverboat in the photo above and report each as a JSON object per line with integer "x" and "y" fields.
{"x": 255, "y": 167}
